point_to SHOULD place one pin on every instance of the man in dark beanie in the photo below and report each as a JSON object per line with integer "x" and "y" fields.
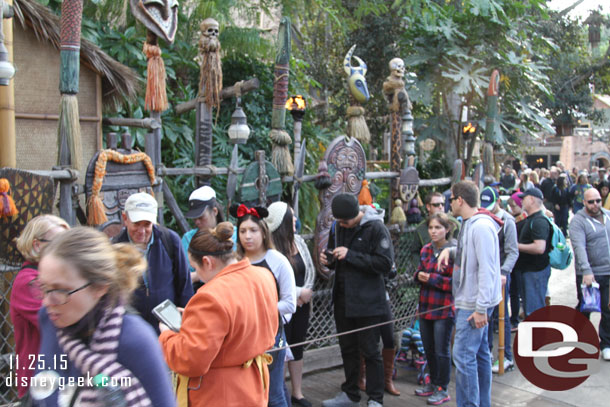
{"x": 360, "y": 250}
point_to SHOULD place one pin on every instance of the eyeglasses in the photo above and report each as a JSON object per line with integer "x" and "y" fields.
{"x": 594, "y": 201}
{"x": 56, "y": 296}
{"x": 453, "y": 198}
{"x": 437, "y": 204}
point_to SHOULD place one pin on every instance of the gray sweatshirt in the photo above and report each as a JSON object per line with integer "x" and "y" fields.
{"x": 591, "y": 243}
{"x": 510, "y": 254}
{"x": 476, "y": 279}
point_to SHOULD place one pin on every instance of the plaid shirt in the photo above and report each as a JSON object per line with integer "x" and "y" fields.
{"x": 436, "y": 292}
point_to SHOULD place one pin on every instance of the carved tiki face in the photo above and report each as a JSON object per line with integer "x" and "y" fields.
{"x": 159, "y": 16}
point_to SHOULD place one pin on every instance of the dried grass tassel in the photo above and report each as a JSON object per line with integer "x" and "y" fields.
{"x": 356, "y": 125}
{"x": 69, "y": 129}
{"x": 280, "y": 154}
{"x": 365, "y": 197}
{"x": 156, "y": 97}
{"x": 398, "y": 216}
{"x": 7, "y": 205}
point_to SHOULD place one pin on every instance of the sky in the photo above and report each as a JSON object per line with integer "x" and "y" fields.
{"x": 583, "y": 9}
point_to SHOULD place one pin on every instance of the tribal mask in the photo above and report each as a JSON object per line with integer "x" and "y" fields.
{"x": 159, "y": 16}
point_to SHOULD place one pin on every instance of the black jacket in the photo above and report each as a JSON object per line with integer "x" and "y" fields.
{"x": 359, "y": 278}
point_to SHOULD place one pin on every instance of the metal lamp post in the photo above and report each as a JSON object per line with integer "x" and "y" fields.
{"x": 238, "y": 134}
{"x": 296, "y": 105}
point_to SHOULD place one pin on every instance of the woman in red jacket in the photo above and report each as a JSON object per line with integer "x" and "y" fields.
{"x": 24, "y": 306}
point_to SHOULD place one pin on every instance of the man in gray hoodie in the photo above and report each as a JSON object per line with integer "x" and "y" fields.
{"x": 476, "y": 290}
{"x": 590, "y": 236}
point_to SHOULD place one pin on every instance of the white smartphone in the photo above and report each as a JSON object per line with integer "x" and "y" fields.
{"x": 167, "y": 313}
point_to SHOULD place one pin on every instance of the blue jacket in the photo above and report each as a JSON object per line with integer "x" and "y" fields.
{"x": 164, "y": 280}
{"x": 139, "y": 351}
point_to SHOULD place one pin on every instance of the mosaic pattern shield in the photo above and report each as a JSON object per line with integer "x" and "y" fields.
{"x": 347, "y": 167}
{"x": 33, "y": 195}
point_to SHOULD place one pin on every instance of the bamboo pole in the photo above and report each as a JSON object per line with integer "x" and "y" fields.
{"x": 501, "y": 339}
{"x": 8, "y": 139}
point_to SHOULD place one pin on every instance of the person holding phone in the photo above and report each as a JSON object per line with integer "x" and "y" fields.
{"x": 226, "y": 327}
{"x": 87, "y": 331}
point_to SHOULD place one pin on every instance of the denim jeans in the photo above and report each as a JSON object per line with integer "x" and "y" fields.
{"x": 604, "y": 322}
{"x": 534, "y": 289}
{"x": 436, "y": 337}
{"x": 495, "y": 316}
{"x": 472, "y": 361}
{"x": 277, "y": 395}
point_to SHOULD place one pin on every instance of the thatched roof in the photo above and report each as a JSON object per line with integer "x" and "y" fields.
{"x": 119, "y": 82}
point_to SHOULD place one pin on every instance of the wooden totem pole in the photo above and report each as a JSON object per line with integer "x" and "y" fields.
{"x": 210, "y": 86}
{"x": 280, "y": 154}
{"x": 493, "y": 134}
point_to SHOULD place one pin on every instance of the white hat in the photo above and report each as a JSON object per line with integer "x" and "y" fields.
{"x": 141, "y": 206}
{"x": 200, "y": 199}
{"x": 277, "y": 211}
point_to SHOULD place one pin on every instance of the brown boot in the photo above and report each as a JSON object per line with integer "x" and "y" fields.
{"x": 362, "y": 375}
{"x": 388, "y": 370}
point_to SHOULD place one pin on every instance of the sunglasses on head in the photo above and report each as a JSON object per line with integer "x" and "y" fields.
{"x": 594, "y": 201}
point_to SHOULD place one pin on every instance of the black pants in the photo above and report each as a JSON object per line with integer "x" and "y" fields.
{"x": 351, "y": 345}
{"x": 604, "y": 322}
{"x": 387, "y": 330}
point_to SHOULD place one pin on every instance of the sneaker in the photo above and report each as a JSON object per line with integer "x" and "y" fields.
{"x": 606, "y": 353}
{"x": 508, "y": 365}
{"x": 373, "y": 403}
{"x": 425, "y": 391}
{"x": 340, "y": 400}
{"x": 300, "y": 402}
{"x": 440, "y": 396}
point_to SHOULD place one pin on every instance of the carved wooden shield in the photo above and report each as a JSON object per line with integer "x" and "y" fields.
{"x": 252, "y": 182}
{"x": 33, "y": 195}
{"x": 409, "y": 183}
{"x": 347, "y": 167}
{"x": 120, "y": 182}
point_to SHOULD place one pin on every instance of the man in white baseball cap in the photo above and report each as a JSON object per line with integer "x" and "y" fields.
{"x": 167, "y": 277}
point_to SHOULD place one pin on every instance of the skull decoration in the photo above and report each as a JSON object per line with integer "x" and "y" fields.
{"x": 356, "y": 81}
{"x": 159, "y": 16}
{"x": 397, "y": 68}
{"x": 209, "y": 28}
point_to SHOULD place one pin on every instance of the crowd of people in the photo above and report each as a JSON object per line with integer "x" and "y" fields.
{"x": 85, "y": 303}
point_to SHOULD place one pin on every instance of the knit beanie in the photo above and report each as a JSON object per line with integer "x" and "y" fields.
{"x": 345, "y": 206}
{"x": 277, "y": 211}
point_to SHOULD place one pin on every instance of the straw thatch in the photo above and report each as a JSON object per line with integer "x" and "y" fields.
{"x": 119, "y": 82}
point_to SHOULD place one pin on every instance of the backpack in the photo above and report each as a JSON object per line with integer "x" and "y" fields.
{"x": 560, "y": 255}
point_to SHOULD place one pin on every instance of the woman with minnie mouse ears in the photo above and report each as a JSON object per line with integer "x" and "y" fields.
{"x": 254, "y": 242}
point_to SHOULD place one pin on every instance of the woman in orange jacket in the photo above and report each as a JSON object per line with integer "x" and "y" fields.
{"x": 226, "y": 328}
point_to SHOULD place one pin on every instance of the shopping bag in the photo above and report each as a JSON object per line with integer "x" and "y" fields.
{"x": 591, "y": 301}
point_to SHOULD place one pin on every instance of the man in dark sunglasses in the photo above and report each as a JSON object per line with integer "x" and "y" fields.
{"x": 590, "y": 236}
{"x": 435, "y": 203}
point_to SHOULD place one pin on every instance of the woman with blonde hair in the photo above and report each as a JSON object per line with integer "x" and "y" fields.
{"x": 226, "y": 327}
{"x": 84, "y": 284}
{"x": 23, "y": 306}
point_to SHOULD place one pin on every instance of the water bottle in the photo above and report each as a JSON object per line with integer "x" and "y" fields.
{"x": 108, "y": 394}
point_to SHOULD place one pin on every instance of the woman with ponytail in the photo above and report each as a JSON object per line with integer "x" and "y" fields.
{"x": 254, "y": 242}
{"x": 219, "y": 353}
{"x": 84, "y": 284}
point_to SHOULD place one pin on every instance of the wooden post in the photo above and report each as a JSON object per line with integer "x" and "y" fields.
{"x": 501, "y": 338}
{"x": 8, "y": 140}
